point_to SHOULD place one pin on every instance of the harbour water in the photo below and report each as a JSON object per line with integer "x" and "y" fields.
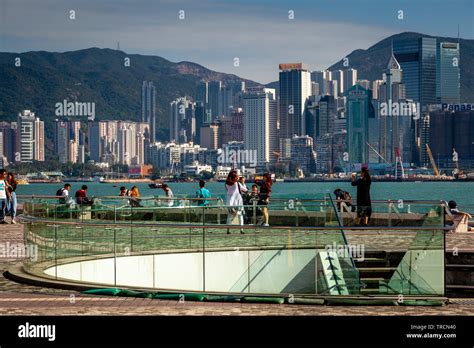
{"x": 461, "y": 192}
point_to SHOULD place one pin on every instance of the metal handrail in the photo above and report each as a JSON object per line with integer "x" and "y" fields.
{"x": 249, "y": 227}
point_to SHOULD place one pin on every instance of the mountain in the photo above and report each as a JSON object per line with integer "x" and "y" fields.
{"x": 99, "y": 76}
{"x": 371, "y": 62}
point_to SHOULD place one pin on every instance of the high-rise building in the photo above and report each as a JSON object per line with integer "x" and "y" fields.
{"x": 39, "y": 140}
{"x": 9, "y": 134}
{"x": 149, "y": 108}
{"x": 417, "y": 59}
{"x": 182, "y": 120}
{"x": 327, "y": 115}
{"x": 448, "y": 85}
{"x": 121, "y": 142}
{"x": 450, "y": 133}
{"x": 359, "y": 109}
{"x": 364, "y": 83}
{"x": 215, "y": 99}
{"x": 237, "y": 125}
{"x": 350, "y": 78}
{"x": 315, "y": 88}
{"x": 395, "y": 131}
{"x": 295, "y": 88}
{"x": 323, "y": 78}
{"x": 231, "y": 96}
{"x": 338, "y": 75}
{"x": 303, "y": 154}
{"x": 225, "y": 129}
{"x": 30, "y": 137}
{"x": 260, "y": 124}
{"x": 210, "y": 136}
{"x": 202, "y": 101}
{"x": 376, "y": 88}
{"x": 66, "y": 140}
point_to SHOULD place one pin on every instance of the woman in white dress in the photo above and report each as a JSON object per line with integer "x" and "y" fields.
{"x": 234, "y": 200}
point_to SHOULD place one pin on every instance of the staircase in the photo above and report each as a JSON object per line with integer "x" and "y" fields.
{"x": 376, "y": 269}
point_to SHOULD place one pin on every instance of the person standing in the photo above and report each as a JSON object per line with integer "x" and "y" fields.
{"x": 169, "y": 194}
{"x": 11, "y": 187}
{"x": 364, "y": 204}
{"x": 203, "y": 193}
{"x": 234, "y": 201}
{"x": 4, "y": 197}
{"x": 264, "y": 197}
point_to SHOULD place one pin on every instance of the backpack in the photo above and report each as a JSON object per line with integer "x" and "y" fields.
{"x": 60, "y": 192}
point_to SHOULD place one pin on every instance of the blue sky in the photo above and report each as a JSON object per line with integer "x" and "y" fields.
{"x": 213, "y": 33}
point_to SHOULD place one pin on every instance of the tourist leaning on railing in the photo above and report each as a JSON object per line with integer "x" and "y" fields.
{"x": 134, "y": 197}
{"x": 202, "y": 194}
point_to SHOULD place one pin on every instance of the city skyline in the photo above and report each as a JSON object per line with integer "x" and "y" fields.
{"x": 330, "y": 30}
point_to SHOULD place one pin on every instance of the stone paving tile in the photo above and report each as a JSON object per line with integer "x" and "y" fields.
{"x": 20, "y": 299}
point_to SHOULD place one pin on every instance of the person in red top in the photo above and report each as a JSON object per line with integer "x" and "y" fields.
{"x": 81, "y": 196}
{"x": 264, "y": 196}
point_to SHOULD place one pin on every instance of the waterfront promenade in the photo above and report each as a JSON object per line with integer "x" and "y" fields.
{"x": 20, "y": 299}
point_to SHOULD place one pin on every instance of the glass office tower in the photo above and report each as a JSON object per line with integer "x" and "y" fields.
{"x": 417, "y": 58}
{"x": 448, "y": 87}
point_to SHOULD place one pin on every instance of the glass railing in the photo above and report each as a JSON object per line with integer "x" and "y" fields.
{"x": 317, "y": 212}
{"x": 219, "y": 258}
{"x": 282, "y": 212}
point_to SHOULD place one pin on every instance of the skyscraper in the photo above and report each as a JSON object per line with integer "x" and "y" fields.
{"x": 66, "y": 140}
{"x": 215, "y": 99}
{"x": 395, "y": 129}
{"x": 350, "y": 78}
{"x": 359, "y": 109}
{"x": 323, "y": 78}
{"x": 9, "y": 132}
{"x": 182, "y": 120}
{"x": 448, "y": 85}
{"x": 417, "y": 58}
{"x": 39, "y": 140}
{"x": 30, "y": 137}
{"x": 338, "y": 75}
{"x": 260, "y": 124}
{"x": 295, "y": 88}
{"x": 202, "y": 101}
{"x": 149, "y": 108}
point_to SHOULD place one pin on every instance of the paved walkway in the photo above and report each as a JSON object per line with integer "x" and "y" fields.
{"x": 19, "y": 299}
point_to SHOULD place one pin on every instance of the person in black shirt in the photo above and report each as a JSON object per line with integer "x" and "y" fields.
{"x": 364, "y": 204}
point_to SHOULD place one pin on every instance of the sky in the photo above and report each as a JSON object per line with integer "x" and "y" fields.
{"x": 260, "y": 33}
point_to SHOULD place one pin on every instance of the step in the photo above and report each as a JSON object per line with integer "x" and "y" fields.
{"x": 377, "y": 269}
{"x": 471, "y": 267}
{"x": 372, "y": 280}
